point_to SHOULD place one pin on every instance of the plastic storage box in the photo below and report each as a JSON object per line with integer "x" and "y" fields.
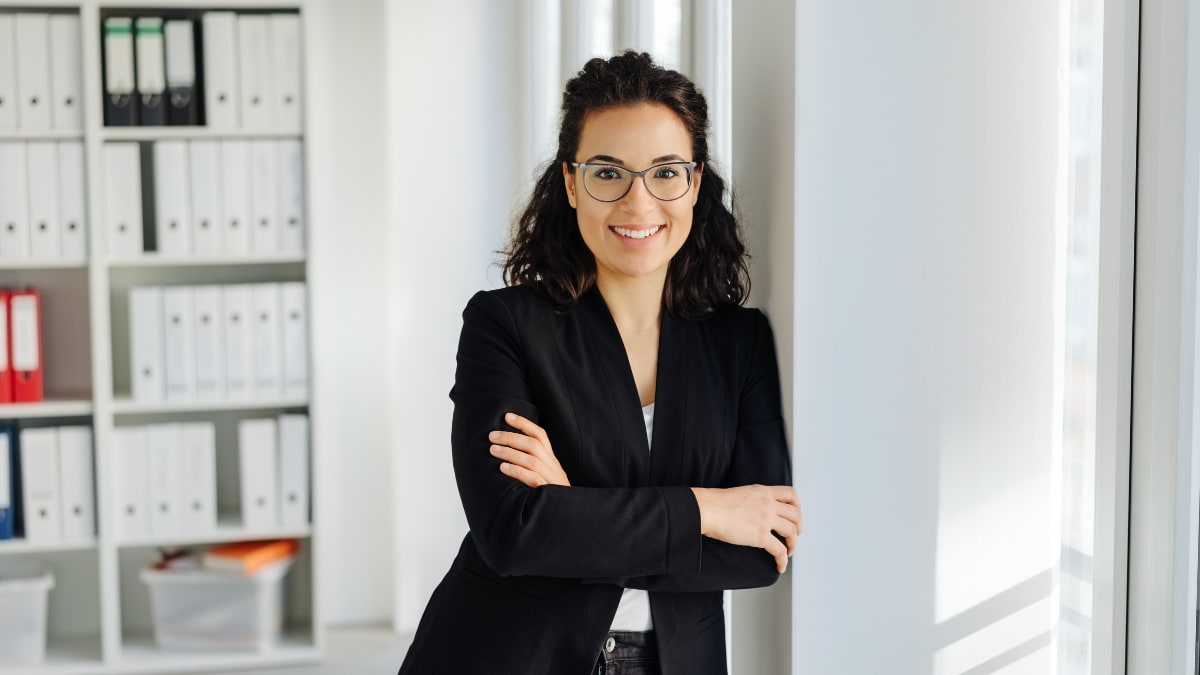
{"x": 23, "y": 616}
{"x": 200, "y": 609}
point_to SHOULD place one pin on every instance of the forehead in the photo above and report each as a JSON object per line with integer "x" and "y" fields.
{"x": 634, "y": 134}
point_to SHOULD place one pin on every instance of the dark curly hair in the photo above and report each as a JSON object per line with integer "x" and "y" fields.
{"x": 548, "y": 253}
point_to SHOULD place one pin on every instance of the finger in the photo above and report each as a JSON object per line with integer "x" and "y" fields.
{"x": 791, "y": 513}
{"x": 522, "y": 459}
{"x": 787, "y": 529}
{"x": 518, "y": 441}
{"x": 524, "y": 425}
{"x": 779, "y": 551}
{"x": 529, "y": 478}
{"x": 785, "y": 494}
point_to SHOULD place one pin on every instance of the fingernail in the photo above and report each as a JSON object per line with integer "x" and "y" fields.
{"x": 495, "y": 449}
{"x": 494, "y": 436}
{"x": 510, "y": 416}
{"x": 504, "y": 466}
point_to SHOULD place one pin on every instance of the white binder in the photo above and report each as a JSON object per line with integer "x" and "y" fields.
{"x": 207, "y": 215}
{"x": 293, "y": 471}
{"x": 72, "y": 205}
{"x": 66, "y": 71}
{"x": 268, "y": 341}
{"x": 146, "y": 359}
{"x": 210, "y": 346}
{"x": 235, "y": 196}
{"x": 294, "y": 315}
{"x": 285, "y": 62}
{"x": 173, "y": 209}
{"x": 78, "y": 504}
{"x": 39, "y": 484}
{"x": 257, "y": 454}
{"x": 33, "y": 71}
{"x": 123, "y": 199}
{"x": 264, "y": 202}
{"x": 254, "y": 74}
{"x": 198, "y": 461}
{"x": 8, "y": 73}
{"x": 14, "y": 203}
{"x": 132, "y": 483}
{"x": 45, "y": 226}
{"x": 166, "y": 479}
{"x": 291, "y": 196}
{"x": 120, "y": 106}
{"x": 221, "y": 102}
{"x": 238, "y": 332}
{"x": 179, "y": 343}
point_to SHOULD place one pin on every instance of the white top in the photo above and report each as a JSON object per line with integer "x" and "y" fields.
{"x": 633, "y": 614}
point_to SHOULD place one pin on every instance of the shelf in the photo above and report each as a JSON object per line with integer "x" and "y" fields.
{"x": 42, "y": 265}
{"x": 145, "y": 134}
{"x": 154, "y": 260}
{"x": 11, "y": 135}
{"x": 21, "y": 546}
{"x": 127, "y": 406}
{"x": 47, "y": 408}
{"x": 140, "y": 655}
{"x": 228, "y": 529}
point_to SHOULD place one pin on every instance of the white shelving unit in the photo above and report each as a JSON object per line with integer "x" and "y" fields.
{"x": 99, "y": 613}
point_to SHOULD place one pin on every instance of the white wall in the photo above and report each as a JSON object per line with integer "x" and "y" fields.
{"x": 453, "y": 154}
{"x": 763, "y": 146}
{"x": 924, "y": 343}
{"x": 348, "y": 294}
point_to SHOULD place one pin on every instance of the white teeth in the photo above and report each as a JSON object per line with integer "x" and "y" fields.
{"x": 637, "y": 234}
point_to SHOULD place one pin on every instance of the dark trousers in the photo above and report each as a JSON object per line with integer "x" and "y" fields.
{"x": 628, "y": 654}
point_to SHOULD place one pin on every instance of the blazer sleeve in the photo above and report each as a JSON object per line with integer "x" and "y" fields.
{"x": 760, "y": 456}
{"x": 552, "y": 530}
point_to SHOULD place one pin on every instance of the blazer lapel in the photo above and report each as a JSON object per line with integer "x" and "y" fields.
{"x": 609, "y": 350}
{"x": 670, "y": 409}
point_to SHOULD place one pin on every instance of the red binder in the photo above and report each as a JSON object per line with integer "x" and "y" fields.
{"x": 25, "y": 345}
{"x": 6, "y": 385}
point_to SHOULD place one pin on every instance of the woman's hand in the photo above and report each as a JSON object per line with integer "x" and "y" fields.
{"x": 527, "y": 456}
{"x": 751, "y": 515}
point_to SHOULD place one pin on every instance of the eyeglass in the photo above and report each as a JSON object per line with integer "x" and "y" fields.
{"x": 608, "y": 183}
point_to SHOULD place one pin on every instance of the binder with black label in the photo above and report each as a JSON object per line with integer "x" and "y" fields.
{"x": 120, "y": 109}
{"x": 183, "y": 106}
{"x": 151, "y": 71}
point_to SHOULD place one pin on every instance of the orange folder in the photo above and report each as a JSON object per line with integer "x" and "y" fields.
{"x": 248, "y": 557}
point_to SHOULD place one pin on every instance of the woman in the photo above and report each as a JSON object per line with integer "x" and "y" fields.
{"x": 618, "y": 440}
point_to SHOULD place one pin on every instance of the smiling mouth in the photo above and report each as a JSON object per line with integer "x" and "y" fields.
{"x": 637, "y": 234}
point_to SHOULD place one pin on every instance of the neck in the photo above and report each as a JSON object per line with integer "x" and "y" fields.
{"x": 635, "y": 304}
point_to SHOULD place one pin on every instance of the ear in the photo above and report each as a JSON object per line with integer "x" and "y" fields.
{"x": 569, "y": 182}
{"x": 696, "y": 183}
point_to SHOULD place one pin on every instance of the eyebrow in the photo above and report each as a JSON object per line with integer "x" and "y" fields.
{"x": 613, "y": 160}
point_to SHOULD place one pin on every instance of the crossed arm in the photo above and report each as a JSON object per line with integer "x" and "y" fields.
{"x": 748, "y": 515}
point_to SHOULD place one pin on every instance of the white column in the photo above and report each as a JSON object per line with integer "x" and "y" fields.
{"x": 925, "y": 263}
{"x": 453, "y": 180}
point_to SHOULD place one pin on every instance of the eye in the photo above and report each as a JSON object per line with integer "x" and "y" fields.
{"x": 607, "y": 173}
{"x": 666, "y": 172}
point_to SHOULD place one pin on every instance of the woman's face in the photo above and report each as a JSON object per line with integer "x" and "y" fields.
{"x": 638, "y": 234}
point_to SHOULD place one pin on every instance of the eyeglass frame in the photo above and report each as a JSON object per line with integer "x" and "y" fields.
{"x": 691, "y": 168}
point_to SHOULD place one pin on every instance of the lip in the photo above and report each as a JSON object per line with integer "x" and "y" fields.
{"x": 639, "y": 228}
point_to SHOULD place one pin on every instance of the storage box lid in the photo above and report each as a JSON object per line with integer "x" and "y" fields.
{"x": 267, "y": 575}
{"x": 25, "y": 580}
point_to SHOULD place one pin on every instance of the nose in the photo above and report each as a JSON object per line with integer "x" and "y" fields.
{"x": 638, "y": 199}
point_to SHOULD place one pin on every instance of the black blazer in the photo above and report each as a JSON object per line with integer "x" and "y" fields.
{"x": 536, "y": 583}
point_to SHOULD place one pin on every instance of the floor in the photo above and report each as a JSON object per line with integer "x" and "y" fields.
{"x": 364, "y": 650}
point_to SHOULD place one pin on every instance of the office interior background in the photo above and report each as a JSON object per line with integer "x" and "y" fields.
{"x": 974, "y": 229}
